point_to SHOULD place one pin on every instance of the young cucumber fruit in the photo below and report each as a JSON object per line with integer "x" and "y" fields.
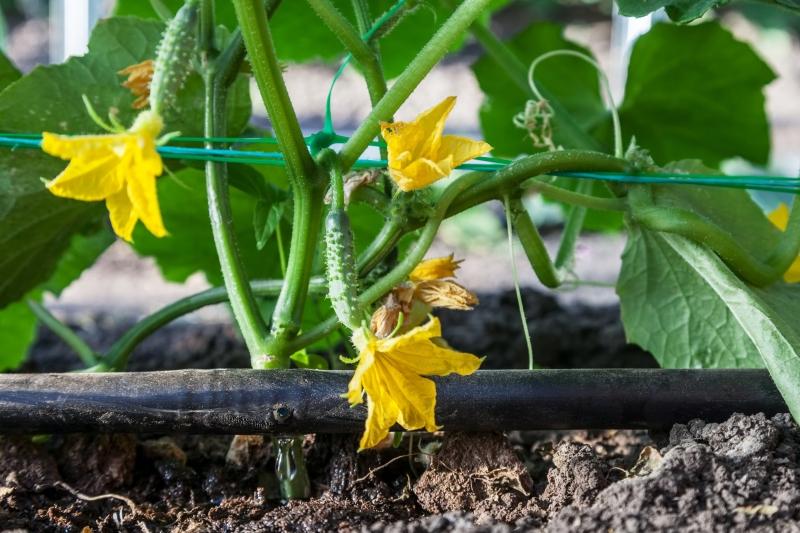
{"x": 173, "y": 62}
{"x": 341, "y": 265}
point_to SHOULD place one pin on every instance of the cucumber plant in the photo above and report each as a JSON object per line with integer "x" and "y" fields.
{"x": 708, "y": 276}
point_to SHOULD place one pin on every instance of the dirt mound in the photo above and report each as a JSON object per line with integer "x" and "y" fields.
{"x": 741, "y": 475}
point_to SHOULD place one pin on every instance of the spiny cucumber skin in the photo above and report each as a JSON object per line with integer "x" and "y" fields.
{"x": 174, "y": 55}
{"x": 341, "y": 267}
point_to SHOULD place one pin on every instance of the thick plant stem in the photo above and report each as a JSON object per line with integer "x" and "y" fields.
{"x": 351, "y": 39}
{"x": 78, "y": 345}
{"x": 508, "y": 180}
{"x": 304, "y": 180}
{"x": 568, "y": 196}
{"x": 532, "y": 244}
{"x": 405, "y": 84}
{"x": 117, "y": 356}
{"x": 252, "y": 18}
{"x": 243, "y": 303}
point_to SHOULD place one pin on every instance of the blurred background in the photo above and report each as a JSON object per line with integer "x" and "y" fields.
{"x": 36, "y": 32}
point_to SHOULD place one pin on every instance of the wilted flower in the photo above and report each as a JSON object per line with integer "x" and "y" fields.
{"x": 139, "y": 77}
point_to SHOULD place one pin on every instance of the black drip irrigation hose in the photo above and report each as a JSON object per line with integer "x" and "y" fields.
{"x": 309, "y": 401}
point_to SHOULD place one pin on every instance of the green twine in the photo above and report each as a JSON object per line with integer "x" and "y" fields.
{"x": 484, "y": 164}
{"x": 327, "y": 127}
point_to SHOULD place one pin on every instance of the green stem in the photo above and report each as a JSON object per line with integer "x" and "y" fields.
{"x": 698, "y": 229}
{"x": 205, "y": 39}
{"x": 351, "y": 39}
{"x": 560, "y": 194}
{"x": 431, "y": 53}
{"x": 532, "y": 244}
{"x": 306, "y": 185}
{"x": 243, "y": 303}
{"x": 495, "y": 185}
{"x": 391, "y": 232}
{"x": 364, "y": 23}
{"x": 515, "y": 275}
{"x": 789, "y": 247}
{"x": 78, "y": 345}
{"x": 117, "y": 355}
{"x": 252, "y": 18}
{"x": 576, "y": 215}
{"x": 467, "y": 191}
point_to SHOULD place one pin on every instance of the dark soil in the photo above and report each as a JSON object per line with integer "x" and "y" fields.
{"x": 565, "y": 337}
{"x": 740, "y": 475}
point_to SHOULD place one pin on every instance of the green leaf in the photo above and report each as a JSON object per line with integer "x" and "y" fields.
{"x": 301, "y": 36}
{"x": 224, "y": 11}
{"x": 35, "y": 226}
{"x": 189, "y": 247}
{"x": 678, "y": 10}
{"x": 572, "y": 81}
{"x": 696, "y": 92}
{"x": 670, "y": 310}
{"x": 303, "y": 359}
{"x": 683, "y": 304}
{"x": 267, "y": 215}
{"x": 16, "y": 335}
{"x": 8, "y": 72}
{"x": 18, "y": 329}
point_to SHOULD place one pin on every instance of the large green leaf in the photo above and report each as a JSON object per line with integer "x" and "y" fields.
{"x": 678, "y": 10}
{"x": 16, "y": 334}
{"x": 681, "y": 302}
{"x": 671, "y": 311}
{"x": 17, "y": 322}
{"x": 301, "y": 36}
{"x": 572, "y": 81}
{"x": 189, "y": 247}
{"x": 35, "y": 226}
{"x": 696, "y": 92}
{"x": 8, "y": 72}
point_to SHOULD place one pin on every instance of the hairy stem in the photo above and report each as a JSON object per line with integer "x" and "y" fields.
{"x": 117, "y": 356}
{"x": 358, "y": 48}
{"x": 245, "y": 309}
{"x": 554, "y": 192}
{"x": 78, "y": 345}
{"x": 405, "y": 84}
{"x": 252, "y": 18}
{"x": 304, "y": 178}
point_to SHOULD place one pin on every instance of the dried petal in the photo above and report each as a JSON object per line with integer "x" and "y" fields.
{"x": 444, "y": 293}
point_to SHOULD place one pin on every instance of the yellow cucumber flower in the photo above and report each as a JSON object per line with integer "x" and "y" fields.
{"x": 436, "y": 268}
{"x": 120, "y": 168}
{"x": 390, "y": 372}
{"x": 780, "y": 218}
{"x": 418, "y": 152}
